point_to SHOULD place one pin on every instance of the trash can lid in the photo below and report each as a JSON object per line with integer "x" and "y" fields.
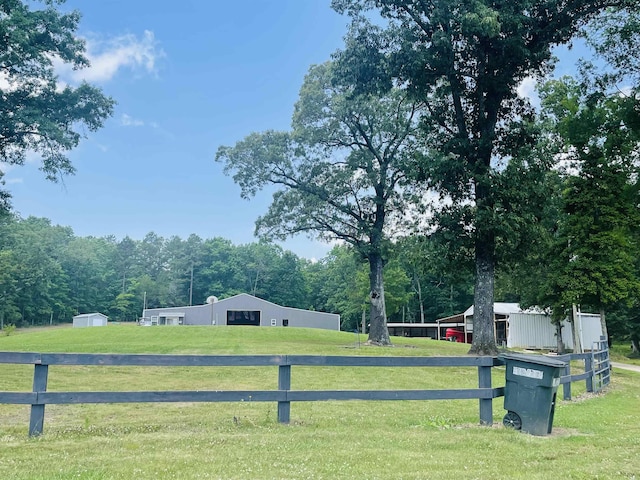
{"x": 538, "y": 359}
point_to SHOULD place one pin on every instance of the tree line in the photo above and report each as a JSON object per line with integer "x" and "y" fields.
{"x": 49, "y": 275}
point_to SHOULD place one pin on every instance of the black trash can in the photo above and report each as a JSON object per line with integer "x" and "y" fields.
{"x": 530, "y": 392}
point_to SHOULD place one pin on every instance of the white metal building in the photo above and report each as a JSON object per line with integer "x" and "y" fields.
{"x": 240, "y": 309}
{"x": 90, "y": 320}
{"x": 517, "y": 328}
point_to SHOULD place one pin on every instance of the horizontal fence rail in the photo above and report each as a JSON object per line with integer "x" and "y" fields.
{"x": 283, "y": 395}
{"x": 597, "y": 370}
{"x": 567, "y": 378}
{"x": 40, "y": 397}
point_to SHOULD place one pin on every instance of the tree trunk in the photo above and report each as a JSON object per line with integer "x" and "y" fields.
{"x": 378, "y": 331}
{"x": 560, "y": 343}
{"x": 419, "y": 291}
{"x": 603, "y": 325}
{"x": 484, "y": 340}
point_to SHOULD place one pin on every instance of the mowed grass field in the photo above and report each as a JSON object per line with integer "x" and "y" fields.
{"x": 595, "y": 436}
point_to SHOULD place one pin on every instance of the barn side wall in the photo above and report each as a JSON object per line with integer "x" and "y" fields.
{"x": 532, "y": 330}
{"x": 216, "y": 313}
{"x": 527, "y": 330}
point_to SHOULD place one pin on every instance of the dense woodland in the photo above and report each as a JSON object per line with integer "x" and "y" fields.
{"x": 412, "y": 148}
{"x": 49, "y": 275}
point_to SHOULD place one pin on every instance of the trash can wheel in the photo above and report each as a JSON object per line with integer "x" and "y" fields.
{"x": 512, "y": 420}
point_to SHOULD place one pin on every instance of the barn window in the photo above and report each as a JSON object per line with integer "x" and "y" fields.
{"x": 243, "y": 317}
{"x": 285, "y": 322}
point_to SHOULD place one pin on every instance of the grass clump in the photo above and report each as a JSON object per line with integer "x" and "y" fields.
{"x": 8, "y": 330}
{"x": 624, "y": 354}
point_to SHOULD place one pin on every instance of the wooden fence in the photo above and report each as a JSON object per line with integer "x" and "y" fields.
{"x": 283, "y": 395}
{"x": 597, "y": 369}
{"x": 40, "y": 397}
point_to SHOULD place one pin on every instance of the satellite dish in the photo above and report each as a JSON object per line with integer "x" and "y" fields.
{"x": 212, "y": 299}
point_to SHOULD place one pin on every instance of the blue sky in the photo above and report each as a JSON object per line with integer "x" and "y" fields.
{"x": 188, "y": 77}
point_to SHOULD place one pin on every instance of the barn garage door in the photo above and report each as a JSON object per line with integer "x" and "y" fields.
{"x": 243, "y": 317}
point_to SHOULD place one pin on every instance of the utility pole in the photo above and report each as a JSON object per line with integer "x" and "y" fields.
{"x": 576, "y": 328}
{"x": 191, "y": 287}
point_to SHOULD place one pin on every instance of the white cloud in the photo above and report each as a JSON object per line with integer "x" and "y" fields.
{"x": 527, "y": 89}
{"x": 107, "y": 57}
{"x": 626, "y": 91}
{"x": 129, "y": 121}
{"x": 5, "y": 85}
{"x": 110, "y": 56}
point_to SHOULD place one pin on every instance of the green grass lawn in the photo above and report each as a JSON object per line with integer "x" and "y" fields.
{"x": 595, "y": 436}
{"x": 622, "y": 353}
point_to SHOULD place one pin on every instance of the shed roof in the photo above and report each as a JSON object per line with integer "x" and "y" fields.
{"x": 83, "y": 315}
{"x": 498, "y": 308}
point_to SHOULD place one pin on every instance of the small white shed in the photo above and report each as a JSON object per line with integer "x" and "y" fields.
{"x": 90, "y": 320}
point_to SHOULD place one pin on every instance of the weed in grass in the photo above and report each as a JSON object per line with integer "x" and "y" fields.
{"x": 440, "y": 423}
{"x": 9, "y": 329}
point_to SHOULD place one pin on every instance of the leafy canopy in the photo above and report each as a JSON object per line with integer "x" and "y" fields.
{"x": 37, "y": 112}
{"x": 341, "y": 172}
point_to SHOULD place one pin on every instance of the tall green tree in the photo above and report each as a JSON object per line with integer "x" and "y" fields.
{"x": 125, "y": 261}
{"x": 289, "y": 287}
{"x": 397, "y": 290}
{"x": 92, "y": 279}
{"x": 37, "y": 288}
{"x": 441, "y": 283}
{"x": 338, "y": 283}
{"x": 341, "y": 172}
{"x": 601, "y": 195}
{"x": 221, "y": 274}
{"x": 170, "y": 272}
{"x": 614, "y": 39}
{"x": 36, "y": 113}
{"x": 465, "y": 59}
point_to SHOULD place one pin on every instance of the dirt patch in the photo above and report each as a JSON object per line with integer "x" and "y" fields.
{"x": 625, "y": 366}
{"x": 556, "y": 432}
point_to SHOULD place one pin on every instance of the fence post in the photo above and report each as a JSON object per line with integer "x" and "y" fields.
{"x": 566, "y": 387}
{"x": 486, "y": 404}
{"x": 588, "y": 367}
{"x": 36, "y": 422}
{"x": 284, "y": 384}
